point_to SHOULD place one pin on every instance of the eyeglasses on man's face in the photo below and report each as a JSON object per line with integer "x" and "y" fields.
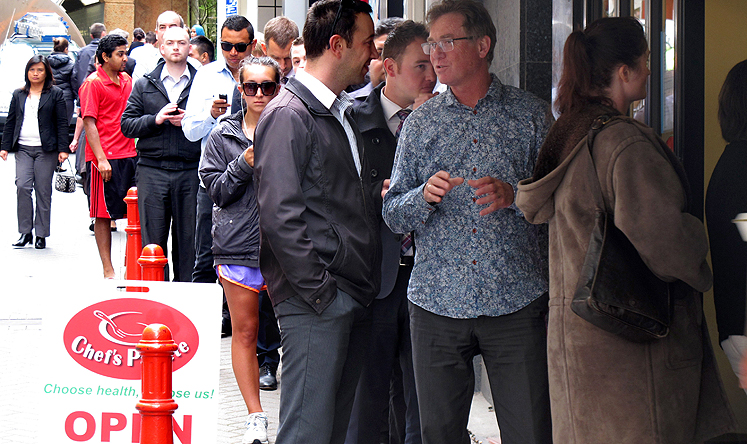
{"x": 268, "y": 88}
{"x": 228, "y": 46}
{"x": 446, "y": 45}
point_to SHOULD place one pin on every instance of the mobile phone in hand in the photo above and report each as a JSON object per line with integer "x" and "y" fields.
{"x": 175, "y": 112}
{"x": 223, "y": 97}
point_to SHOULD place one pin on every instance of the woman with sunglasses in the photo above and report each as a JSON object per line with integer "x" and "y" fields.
{"x": 227, "y": 171}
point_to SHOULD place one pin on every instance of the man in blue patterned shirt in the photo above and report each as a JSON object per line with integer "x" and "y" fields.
{"x": 480, "y": 281}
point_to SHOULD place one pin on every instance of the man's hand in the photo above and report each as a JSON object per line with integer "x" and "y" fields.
{"x": 170, "y": 113}
{"x": 219, "y": 108}
{"x": 61, "y": 157}
{"x": 385, "y": 188}
{"x": 105, "y": 169}
{"x": 73, "y": 146}
{"x": 492, "y": 191}
{"x": 422, "y": 98}
{"x": 4, "y": 154}
{"x": 438, "y": 185}
{"x": 249, "y": 156}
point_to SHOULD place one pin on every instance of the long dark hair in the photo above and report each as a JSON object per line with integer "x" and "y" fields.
{"x": 48, "y": 78}
{"x": 732, "y": 104}
{"x": 591, "y": 56}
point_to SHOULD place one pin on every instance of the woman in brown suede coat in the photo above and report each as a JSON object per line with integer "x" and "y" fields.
{"x": 603, "y": 388}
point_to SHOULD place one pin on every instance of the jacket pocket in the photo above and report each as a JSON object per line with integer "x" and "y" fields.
{"x": 335, "y": 248}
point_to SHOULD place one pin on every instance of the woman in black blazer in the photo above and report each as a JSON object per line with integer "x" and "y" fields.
{"x": 37, "y": 130}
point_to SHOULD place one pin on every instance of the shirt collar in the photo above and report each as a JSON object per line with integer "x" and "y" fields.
{"x": 495, "y": 92}
{"x": 105, "y": 78}
{"x": 317, "y": 88}
{"x": 390, "y": 108}
{"x": 165, "y": 73}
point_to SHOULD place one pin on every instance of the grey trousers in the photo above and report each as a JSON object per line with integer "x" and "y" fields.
{"x": 514, "y": 350}
{"x": 322, "y": 360}
{"x": 34, "y": 171}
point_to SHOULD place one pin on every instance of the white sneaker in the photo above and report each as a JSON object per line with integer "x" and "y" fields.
{"x": 256, "y": 429}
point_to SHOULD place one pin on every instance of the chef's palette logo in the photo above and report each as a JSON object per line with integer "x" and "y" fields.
{"x": 103, "y": 337}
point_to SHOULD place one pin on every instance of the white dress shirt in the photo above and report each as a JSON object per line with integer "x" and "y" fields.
{"x": 336, "y": 105}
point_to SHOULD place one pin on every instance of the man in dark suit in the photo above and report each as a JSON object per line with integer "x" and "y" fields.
{"x": 167, "y": 164}
{"x": 409, "y": 82}
{"x": 80, "y": 72}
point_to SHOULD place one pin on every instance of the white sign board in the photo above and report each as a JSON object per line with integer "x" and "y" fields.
{"x": 90, "y": 379}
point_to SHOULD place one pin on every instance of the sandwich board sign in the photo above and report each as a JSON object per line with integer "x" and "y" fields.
{"x": 90, "y": 369}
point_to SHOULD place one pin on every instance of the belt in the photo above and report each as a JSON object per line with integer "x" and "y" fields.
{"x": 406, "y": 261}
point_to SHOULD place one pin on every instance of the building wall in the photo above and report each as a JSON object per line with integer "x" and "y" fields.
{"x": 725, "y": 46}
{"x": 523, "y": 53}
{"x": 147, "y": 11}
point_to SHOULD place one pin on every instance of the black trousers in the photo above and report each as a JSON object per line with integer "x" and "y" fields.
{"x": 202, "y": 267}
{"x": 514, "y": 351}
{"x": 167, "y": 202}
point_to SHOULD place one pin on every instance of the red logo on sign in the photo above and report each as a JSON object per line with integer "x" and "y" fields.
{"x": 103, "y": 336}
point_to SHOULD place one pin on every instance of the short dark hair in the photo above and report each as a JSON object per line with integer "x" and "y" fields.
{"x": 60, "y": 44}
{"x": 96, "y": 30}
{"x": 387, "y": 25}
{"x": 590, "y": 58}
{"x": 263, "y": 61}
{"x": 321, "y": 18}
{"x": 401, "y": 37}
{"x": 298, "y": 41}
{"x": 150, "y": 37}
{"x": 108, "y": 45}
{"x": 48, "y": 78}
{"x": 477, "y": 21}
{"x": 238, "y": 23}
{"x": 281, "y": 30}
{"x": 138, "y": 34}
{"x": 204, "y": 44}
{"x": 732, "y": 104}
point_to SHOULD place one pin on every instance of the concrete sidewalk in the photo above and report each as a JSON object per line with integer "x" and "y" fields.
{"x": 71, "y": 259}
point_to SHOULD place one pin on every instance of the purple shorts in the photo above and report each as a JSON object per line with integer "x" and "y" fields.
{"x": 246, "y": 277}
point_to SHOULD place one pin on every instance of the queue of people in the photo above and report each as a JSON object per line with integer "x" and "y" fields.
{"x": 385, "y": 238}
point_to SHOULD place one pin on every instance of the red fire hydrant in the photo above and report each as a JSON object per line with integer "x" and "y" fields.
{"x": 134, "y": 238}
{"x": 153, "y": 262}
{"x": 156, "y": 406}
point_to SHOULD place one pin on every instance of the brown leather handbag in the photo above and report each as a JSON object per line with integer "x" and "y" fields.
{"x": 617, "y": 291}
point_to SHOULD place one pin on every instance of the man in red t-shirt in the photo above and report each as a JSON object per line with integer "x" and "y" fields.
{"x": 110, "y": 156}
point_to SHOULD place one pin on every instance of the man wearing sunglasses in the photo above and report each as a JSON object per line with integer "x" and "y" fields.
{"x": 167, "y": 179}
{"x": 210, "y": 97}
{"x": 320, "y": 247}
{"x": 480, "y": 280}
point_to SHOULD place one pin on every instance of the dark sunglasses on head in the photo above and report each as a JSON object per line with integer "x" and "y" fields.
{"x": 268, "y": 88}
{"x": 228, "y": 46}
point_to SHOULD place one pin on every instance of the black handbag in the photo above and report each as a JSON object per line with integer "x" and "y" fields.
{"x": 617, "y": 291}
{"x": 64, "y": 180}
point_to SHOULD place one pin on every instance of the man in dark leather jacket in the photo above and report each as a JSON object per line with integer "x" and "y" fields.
{"x": 167, "y": 165}
{"x": 320, "y": 248}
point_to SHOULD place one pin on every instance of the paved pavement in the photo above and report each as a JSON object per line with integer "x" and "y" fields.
{"x": 71, "y": 259}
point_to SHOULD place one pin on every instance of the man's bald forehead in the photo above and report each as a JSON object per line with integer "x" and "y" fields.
{"x": 176, "y": 33}
{"x": 169, "y": 17}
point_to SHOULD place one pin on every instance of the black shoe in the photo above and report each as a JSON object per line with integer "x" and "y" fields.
{"x": 25, "y": 239}
{"x": 40, "y": 243}
{"x": 267, "y": 380}
{"x": 225, "y": 328}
